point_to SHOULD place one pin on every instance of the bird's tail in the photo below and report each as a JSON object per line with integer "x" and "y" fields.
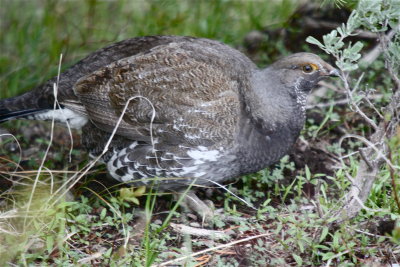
{"x": 6, "y": 114}
{"x": 23, "y": 106}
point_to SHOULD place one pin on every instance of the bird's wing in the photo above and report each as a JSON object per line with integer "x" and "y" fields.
{"x": 186, "y": 93}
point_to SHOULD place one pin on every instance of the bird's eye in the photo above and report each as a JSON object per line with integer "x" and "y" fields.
{"x": 308, "y": 68}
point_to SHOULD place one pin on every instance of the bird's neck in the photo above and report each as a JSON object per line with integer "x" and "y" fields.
{"x": 271, "y": 123}
{"x": 271, "y": 106}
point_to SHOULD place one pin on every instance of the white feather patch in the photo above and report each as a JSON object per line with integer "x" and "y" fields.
{"x": 63, "y": 115}
{"x": 203, "y": 155}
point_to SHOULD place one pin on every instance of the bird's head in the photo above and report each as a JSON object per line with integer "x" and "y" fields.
{"x": 301, "y": 72}
{"x": 304, "y": 69}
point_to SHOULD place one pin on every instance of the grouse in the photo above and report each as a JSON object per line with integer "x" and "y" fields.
{"x": 180, "y": 110}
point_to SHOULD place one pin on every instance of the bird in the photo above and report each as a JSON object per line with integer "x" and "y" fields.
{"x": 177, "y": 111}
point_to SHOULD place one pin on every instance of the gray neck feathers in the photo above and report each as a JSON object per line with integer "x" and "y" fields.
{"x": 271, "y": 124}
{"x": 272, "y": 105}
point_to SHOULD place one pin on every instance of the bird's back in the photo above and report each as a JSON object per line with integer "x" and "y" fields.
{"x": 42, "y": 98}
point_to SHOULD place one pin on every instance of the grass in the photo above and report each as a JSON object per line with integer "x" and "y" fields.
{"x": 31, "y": 41}
{"x": 99, "y": 223}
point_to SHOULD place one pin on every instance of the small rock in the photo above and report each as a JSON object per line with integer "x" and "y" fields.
{"x": 195, "y": 224}
{"x": 157, "y": 222}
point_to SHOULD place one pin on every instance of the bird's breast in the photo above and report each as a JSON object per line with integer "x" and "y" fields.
{"x": 259, "y": 148}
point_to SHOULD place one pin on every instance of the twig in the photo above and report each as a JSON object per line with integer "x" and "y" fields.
{"x": 19, "y": 149}
{"x": 203, "y": 260}
{"x": 212, "y": 249}
{"x": 352, "y": 103}
{"x": 364, "y": 157}
{"x": 374, "y": 53}
{"x": 371, "y": 56}
{"x": 373, "y": 107}
{"x": 344, "y": 101}
{"x": 233, "y": 194}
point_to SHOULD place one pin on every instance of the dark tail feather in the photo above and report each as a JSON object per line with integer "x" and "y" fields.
{"x": 24, "y": 105}
{"x": 6, "y": 114}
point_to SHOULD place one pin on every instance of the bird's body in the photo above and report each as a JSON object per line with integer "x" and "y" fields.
{"x": 193, "y": 110}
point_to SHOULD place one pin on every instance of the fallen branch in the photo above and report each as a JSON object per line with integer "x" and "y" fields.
{"x": 188, "y": 230}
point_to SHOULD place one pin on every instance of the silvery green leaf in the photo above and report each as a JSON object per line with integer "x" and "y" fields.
{"x": 356, "y": 47}
{"x": 338, "y": 44}
{"x": 341, "y": 31}
{"x": 352, "y": 23}
{"x": 330, "y": 37}
{"x": 314, "y": 41}
{"x": 393, "y": 24}
{"x": 347, "y": 53}
{"x": 346, "y": 66}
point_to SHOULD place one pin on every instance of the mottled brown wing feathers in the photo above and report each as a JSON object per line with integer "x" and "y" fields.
{"x": 180, "y": 87}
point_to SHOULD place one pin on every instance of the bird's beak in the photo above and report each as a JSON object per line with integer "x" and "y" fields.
{"x": 330, "y": 71}
{"x": 334, "y": 73}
